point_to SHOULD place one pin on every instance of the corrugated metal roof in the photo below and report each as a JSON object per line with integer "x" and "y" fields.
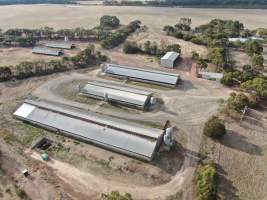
{"x": 46, "y": 51}
{"x": 59, "y": 44}
{"x": 117, "y": 93}
{"x": 142, "y": 74}
{"x": 109, "y": 132}
{"x": 171, "y": 55}
{"x": 212, "y": 75}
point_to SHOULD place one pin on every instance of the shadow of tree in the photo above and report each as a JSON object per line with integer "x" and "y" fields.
{"x": 226, "y": 190}
{"x": 236, "y": 141}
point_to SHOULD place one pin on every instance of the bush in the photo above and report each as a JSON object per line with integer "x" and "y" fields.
{"x": 257, "y": 85}
{"x": 214, "y": 128}
{"x": 237, "y": 102}
{"x": 131, "y": 48}
{"x": 115, "y": 195}
{"x": 257, "y": 61}
{"x": 207, "y": 182}
{"x": 109, "y": 21}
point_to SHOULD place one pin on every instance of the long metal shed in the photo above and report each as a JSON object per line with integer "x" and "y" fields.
{"x": 111, "y": 133}
{"x": 60, "y": 45}
{"x": 47, "y": 51}
{"x": 119, "y": 94}
{"x": 142, "y": 75}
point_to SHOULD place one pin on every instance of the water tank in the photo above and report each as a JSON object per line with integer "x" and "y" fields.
{"x": 153, "y": 100}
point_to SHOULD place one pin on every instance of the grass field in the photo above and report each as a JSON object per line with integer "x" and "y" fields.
{"x": 66, "y": 16}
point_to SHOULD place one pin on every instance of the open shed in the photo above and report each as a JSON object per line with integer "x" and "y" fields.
{"x": 169, "y": 59}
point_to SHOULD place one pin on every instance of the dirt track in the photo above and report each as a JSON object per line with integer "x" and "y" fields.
{"x": 187, "y": 107}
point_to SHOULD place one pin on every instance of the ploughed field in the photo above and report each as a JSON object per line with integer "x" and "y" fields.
{"x": 33, "y": 16}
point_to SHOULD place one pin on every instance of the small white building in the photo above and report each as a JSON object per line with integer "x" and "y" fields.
{"x": 168, "y": 60}
{"x": 240, "y": 39}
{"x": 211, "y": 76}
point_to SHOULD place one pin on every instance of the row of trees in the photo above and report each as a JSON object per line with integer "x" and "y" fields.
{"x": 23, "y": 70}
{"x": 113, "y": 39}
{"x": 150, "y": 48}
{"x": 29, "y": 37}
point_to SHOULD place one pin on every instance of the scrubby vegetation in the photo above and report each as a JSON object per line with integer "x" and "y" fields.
{"x": 207, "y": 181}
{"x": 113, "y": 39}
{"x": 109, "y": 21}
{"x": 150, "y": 48}
{"x": 238, "y": 102}
{"x": 115, "y": 195}
{"x": 27, "y": 69}
{"x": 194, "y": 3}
{"x": 214, "y": 128}
{"x": 29, "y": 37}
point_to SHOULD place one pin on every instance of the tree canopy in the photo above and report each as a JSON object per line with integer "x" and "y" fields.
{"x": 214, "y": 128}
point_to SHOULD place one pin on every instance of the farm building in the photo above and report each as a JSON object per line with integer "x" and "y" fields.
{"x": 111, "y": 133}
{"x": 142, "y": 75}
{"x": 240, "y": 39}
{"x": 211, "y": 76}
{"x": 60, "y": 45}
{"x": 169, "y": 59}
{"x": 117, "y": 94}
{"x": 47, "y": 51}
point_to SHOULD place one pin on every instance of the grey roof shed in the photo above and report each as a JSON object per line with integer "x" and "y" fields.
{"x": 142, "y": 75}
{"x": 169, "y": 59}
{"x": 111, "y": 133}
{"x": 60, "y": 45}
{"x": 47, "y": 51}
{"x": 118, "y": 94}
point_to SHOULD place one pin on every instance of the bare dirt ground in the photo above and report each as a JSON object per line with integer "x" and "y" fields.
{"x": 241, "y": 157}
{"x": 240, "y": 58}
{"x": 187, "y": 107}
{"x": 15, "y": 55}
{"x": 33, "y": 16}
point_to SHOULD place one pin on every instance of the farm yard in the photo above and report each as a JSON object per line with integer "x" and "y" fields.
{"x": 79, "y": 169}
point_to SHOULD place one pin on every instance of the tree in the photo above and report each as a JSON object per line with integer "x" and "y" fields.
{"x": 202, "y": 63}
{"x": 131, "y": 48}
{"x": 5, "y": 73}
{"x": 109, "y": 21}
{"x": 115, "y": 195}
{"x": 257, "y": 61}
{"x": 217, "y": 57}
{"x": 206, "y": 181}
{"x": 253, "y": 47}
{"x": 257, "y": 85}
{"x": 173, "y": 47}
{"x": 214, "y": 128}
{"x": 184, "y": 24}
{"x": 237, "y": 102}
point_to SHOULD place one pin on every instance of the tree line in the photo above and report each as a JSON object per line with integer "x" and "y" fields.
{"x": 194, "y": 3}
{"x": 150, "y": 48}
{"x": 103, "y": 33}
{"x": 10, "y": 2}
{"x": 83, "y": 59}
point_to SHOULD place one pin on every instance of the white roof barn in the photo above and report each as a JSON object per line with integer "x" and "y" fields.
{"x": 168, "y": 60}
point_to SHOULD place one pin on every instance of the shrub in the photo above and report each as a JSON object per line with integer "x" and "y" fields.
{"x": 115, "y": 195}
{"x": 109, "y": 21}
{"x": 214, "y": 128}
{"x": 207, "y": 182}
{"x": 257, "y": 61}
{"x": 131, "y": 48}
{"x": 237, "y": 102}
